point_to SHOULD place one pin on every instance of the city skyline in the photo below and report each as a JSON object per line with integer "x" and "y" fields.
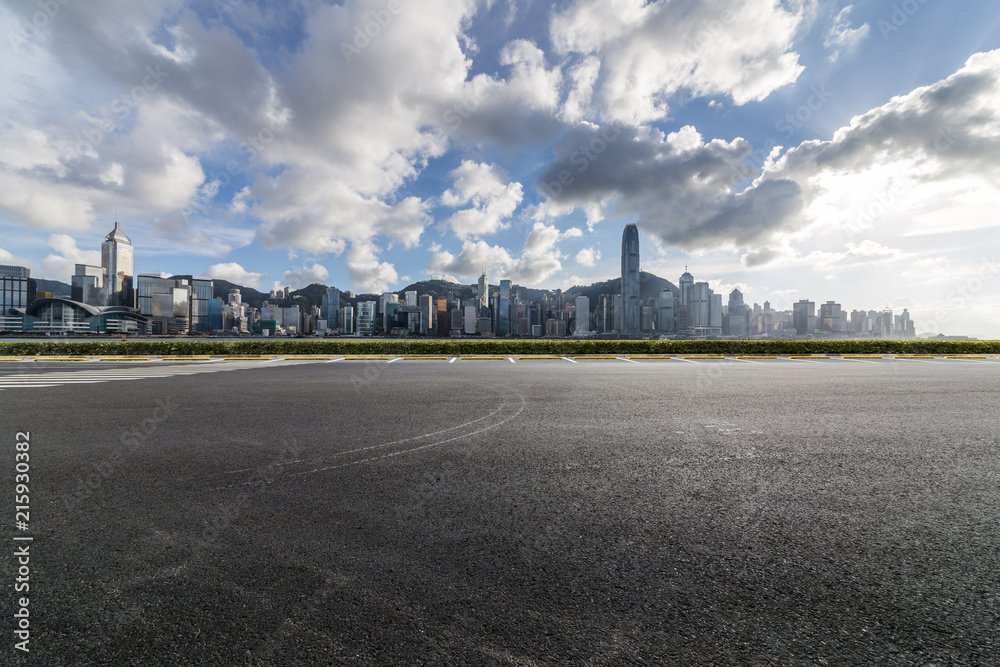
{"x": 160, "y": 305}
{"x": 791, "y": 150}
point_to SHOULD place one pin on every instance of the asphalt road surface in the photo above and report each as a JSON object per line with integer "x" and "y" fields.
{"x": 603, "y": 512}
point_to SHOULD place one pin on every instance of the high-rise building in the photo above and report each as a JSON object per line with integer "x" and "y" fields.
{"x": 116, "y": 260}
{"x": 426, "y": 303}
{"x": 330, "y": 308}
{"x": 803, "y": 315}
{"x": 483, "y": 303}
{"x": 347, "y": 319}
{"x": 166, "y": 302}
{"x": 470, "y": 319}
{"x": 201, "y": 305}
{"x": 366, "y": 318}
{"x": 582, "y": 315}
{"x": 388, "y": 312}
{"x": 17, "y": 290}
{"x": 699, "y": 306}
{"x": 443, "y": 321}
{"x": 665, "y": 311}
{"x": 685, "y": 284}
{"x": 831, "y": 317}
{"x": 410, "y": 298}
{"x": 88, "y": 285}
{"x": 630, "y": 280}
{"x": 503, "y": 316}
{"x": 737, "y": 316}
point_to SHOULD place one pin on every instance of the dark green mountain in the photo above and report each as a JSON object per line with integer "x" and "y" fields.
{"x": 649, "y": 288}
{"x": 57, "y": 287}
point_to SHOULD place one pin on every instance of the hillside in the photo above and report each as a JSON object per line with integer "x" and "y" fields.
{"x": 650, "y": 286}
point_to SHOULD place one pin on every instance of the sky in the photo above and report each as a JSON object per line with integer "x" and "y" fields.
{"x": 793, "y": 149}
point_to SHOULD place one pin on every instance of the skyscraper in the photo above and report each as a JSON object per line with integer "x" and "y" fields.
{"x": 630, "y": 280}
{"x": 116, "y": 260}
{"x": 582, "y": 315}
{"x": 484, "y": 296}
{"x": 503, "y": 317}
{"x": 330, "y": 308}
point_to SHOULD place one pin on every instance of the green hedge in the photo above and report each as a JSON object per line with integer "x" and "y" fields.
{"x": 495, "y": 346}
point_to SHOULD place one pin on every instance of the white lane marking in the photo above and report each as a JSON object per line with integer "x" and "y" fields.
{"x": 626, "y": 360}
{"x": 453, "y": 360}
{"x": 511, "y": 360}
{"x": 572, "y": 361}
{"x": 57, "y": 378}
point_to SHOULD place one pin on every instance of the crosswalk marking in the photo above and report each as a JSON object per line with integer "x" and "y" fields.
{"x": 60, "y": 378}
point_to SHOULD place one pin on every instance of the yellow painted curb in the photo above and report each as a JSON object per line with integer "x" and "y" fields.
{"x": 425, "y": 358}
{"x": 308, "y": 358}
{"x": 965, "y": 357}
{"x": 59, "y": 359}
{"x": 802, "y": 356}
{"x": 756, "y": 357}
{"x": 656, "y": 358}
{"x": 124, "y": 359}
{"x": 702, "y": 357}
{"x": 9, "y": 359}
{"x": 585, "y": 358}
{"x": 855, "y": 356}
{"x": 912, "y": 357}
{"x": 186, "y": 358}
{"x": 247, "y": 359}
{"x": 367, "y": 358}
{"x": 536, "y": 358}
{"x": 483, "y": 358}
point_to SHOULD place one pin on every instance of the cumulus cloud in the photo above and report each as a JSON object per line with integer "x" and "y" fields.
{"x": 921, "y": 156}
{"x": 61, "y": 263}
{"x": 307, "y": 275}
{"x": 368, "y": 274}
{"x": 540, "y": 258}
{"x": 234, "y": 273}
{"x": 588, "y": 257}
{"x": 493, "y": 200}
{"x": 650, "y": 51}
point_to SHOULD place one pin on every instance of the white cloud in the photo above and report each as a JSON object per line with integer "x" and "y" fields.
{"x": 307, "y": 275}
{"x": 651, "y": 51}
{"x": 61, "y": 264}
{"x": 234, "y": 273}
{"x": 493, "y": 200}
{"x": 842, "y": 37}
{"x": 588, "y": 257}
{"x": 368, "y": 275}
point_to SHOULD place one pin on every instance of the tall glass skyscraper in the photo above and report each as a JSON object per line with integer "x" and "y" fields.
{"x": 116, "y": 260}
{"x": 484, "y": 297}
{"x": 630, "y": 280}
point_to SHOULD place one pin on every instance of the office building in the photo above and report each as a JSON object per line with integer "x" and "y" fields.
{"x": 483, "y": 305}
{"x": 116, "y": 260}
{"x": 17, "y": 290}
{"x": 665, "y": 311}
{"x": 803, "y": 316}
{"x": 831, "y": 317}
{"x": 503, "y": 316}
{"x": 366, "y": 318}
{"x": 630, "y": 280}
{"x": 88, "y": 285}
{"x": 426, "y": 305}
{"x": 330, "y": 308}
{"x": 347, "y": 319}
{"x": 582, "y": 316}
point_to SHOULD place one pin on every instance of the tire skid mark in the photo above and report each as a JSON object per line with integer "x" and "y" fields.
{"x": 389, "y": 455}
